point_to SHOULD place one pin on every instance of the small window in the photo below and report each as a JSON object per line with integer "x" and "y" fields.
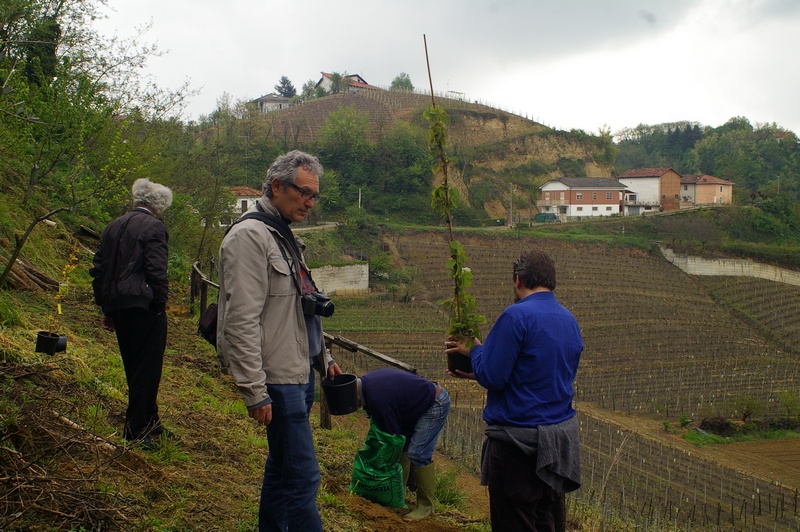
{"x": 580, "y": 209}
{"x": 594, "y": 208}
{"x": 244, "y": 205}
{"x": 685, "y": 187}
{"x": 608, "y": 208}
{"x": 579, "y": 196}
{"x": 720, "y": 188}
{"x": 594, "y": 196}
{"x": 547, "y": 196}
{"x": 609, "y": 195}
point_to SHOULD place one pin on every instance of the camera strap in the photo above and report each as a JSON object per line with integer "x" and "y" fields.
{"x": 285, "y": 232}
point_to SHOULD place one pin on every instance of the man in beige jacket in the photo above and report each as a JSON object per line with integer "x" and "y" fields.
{"x": 271, "y": 332}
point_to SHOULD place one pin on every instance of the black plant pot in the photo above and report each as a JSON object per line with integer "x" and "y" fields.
{"x": 458, "y": 362}
{"x": 341, "y": 394}
{"x": 49, "y": 342}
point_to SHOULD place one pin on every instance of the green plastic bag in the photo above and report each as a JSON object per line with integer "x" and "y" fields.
{"x": 377, "y": 476}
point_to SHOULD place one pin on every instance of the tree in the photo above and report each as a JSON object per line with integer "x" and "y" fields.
{"x": 790, "y": 400}
{"x": 747, "y": 406}
{"x": 41, "y": 61}
{"x": 339, "y": 82}
{"x": 403, "y": 162}
{"x": 285, "y": 88}
{"x": 345, "y": 146}
{"x": 402, "y": 83}
{"x": 309, "y": 91}
{"x": 66, "y": 95}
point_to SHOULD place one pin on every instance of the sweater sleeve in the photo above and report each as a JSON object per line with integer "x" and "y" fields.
{"x": 156, "y": 260}
{"x": 494, "y": 361}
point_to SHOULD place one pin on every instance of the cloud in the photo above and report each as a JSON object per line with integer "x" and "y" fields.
{"x": 573, "y": 63}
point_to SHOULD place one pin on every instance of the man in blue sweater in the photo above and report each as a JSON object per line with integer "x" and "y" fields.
{"x": 531, "y": 455}
{"x": 400, "y": 402}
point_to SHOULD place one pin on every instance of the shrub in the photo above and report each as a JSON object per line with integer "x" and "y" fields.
{"x": 718, "y": 425}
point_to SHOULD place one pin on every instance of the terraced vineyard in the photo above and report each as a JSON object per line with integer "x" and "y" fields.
{"x": 657, "y": 346}
{"x": 771, "y": 306}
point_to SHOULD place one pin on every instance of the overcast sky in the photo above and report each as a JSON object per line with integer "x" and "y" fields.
{"x": 585, "y": 64}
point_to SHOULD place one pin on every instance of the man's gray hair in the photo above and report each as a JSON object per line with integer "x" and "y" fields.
{"x": 284, "y": 169}
{"x": 151, "y": 195}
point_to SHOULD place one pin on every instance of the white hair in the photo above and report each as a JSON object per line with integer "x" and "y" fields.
{"x": 152, "y": 195}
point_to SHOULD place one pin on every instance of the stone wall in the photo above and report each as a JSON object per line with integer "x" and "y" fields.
{"x": 351, "y": 279}
{"x": 735, "y": 267}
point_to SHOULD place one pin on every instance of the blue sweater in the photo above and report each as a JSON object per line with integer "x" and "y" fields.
{"x": 528, "y": 363}
{"x": 395, "y": 399}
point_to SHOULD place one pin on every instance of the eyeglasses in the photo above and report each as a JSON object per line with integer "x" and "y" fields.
{"x": 306, "y": 194}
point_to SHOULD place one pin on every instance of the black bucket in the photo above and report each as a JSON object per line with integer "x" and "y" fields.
{"x": 341, "y": 394}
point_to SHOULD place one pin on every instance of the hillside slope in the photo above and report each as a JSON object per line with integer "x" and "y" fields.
{"x": 660, "y": 352}
{"x": 64, "y": 465}
{"x": 490, "y": 148}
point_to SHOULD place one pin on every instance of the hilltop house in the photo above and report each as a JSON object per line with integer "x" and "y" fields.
{"x": 706, "y": 190}
{"x": 575, "y": 197}
{"x": 355, "y": 83}
{"x": 272, "y": 102}
{"x": 656, "y": 189}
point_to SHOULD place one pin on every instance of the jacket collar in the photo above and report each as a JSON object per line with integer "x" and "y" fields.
{"x": 269, "y": 208}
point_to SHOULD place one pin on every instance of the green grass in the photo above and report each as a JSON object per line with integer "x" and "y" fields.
{"x": 446, "y": 491}
{"x": 702, "y": 438}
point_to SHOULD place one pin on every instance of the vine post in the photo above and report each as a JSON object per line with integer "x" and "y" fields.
{"x": 464, "y": 320}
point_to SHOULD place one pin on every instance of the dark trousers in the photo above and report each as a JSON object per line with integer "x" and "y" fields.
{"x": 142, "y": 339}
{"x": 518, "y": 499}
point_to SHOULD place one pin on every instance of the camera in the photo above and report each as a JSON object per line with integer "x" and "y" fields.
{"x": 317, "y": 304}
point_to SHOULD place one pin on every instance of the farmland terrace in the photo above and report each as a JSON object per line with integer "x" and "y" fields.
{"x": 659, "y": 344}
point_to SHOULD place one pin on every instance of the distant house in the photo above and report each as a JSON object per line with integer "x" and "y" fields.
{"x": 706, "y": 190}
{"x": 354, "y": 81}
{"x": 576, "y": 197}
{"x": 655, "y": 189}
{"x": 272, "y": 102}
{"x": 245, "y": 199}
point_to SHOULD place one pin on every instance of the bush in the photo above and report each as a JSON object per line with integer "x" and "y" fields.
{"x": 718, "y": 425}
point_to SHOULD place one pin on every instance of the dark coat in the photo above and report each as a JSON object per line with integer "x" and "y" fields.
{"x": 130, "y": 266}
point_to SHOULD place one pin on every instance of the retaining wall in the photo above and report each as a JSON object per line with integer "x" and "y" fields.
{"x": 351, "y": 279}
{"x": 734, "y": 267}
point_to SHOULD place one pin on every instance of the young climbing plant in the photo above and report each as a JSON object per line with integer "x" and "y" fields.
{"x": 464, "y": 320}
{"x": 63, "y": 288}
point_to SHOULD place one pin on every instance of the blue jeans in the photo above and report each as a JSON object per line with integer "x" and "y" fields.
{"x": 291, "y": 474}
{"x": 422, "y": 443}
{"x": 310, "y": 390}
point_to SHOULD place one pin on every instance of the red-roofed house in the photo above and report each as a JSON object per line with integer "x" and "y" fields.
{"x": 246, "y": 198}
{"x": 355, "y": 83}
{"x": 655, "y": 189}
{"x": 706, "y": 190}
{"x": 577, "y": 197}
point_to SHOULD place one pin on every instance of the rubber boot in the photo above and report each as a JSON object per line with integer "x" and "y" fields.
{"x": 403, "y": 461}
{"x": 426, "y": 486}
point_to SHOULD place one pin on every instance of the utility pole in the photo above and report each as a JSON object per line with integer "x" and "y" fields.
{"x": 511, "y": 205}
